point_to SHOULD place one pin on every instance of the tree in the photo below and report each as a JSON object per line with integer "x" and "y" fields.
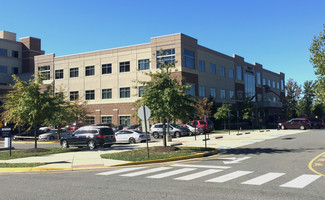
{"x": 165, "y": 96}
{"x": 222, "y": 113}
{"x": 293, "y": 91}
{"x": 203, "y": 107}
{"x": 317, "y": 58}
{"x": 306, "y": 103}
{"x": 26, "y": 104}
{"x": 247, "y": 109}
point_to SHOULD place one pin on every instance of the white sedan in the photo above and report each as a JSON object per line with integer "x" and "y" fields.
{"x": 130, "y": 136}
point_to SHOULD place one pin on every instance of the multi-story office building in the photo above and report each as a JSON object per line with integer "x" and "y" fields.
{"x": 16, "y": 57}
{"x": 106, "y": 78}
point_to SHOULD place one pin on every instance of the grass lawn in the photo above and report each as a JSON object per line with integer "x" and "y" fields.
{"x": 156, "y": 153}
{"x": 10, "y": 165}
{"x": 4, "y": 155}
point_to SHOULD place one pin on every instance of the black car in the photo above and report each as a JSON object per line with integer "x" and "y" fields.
{"x": 90, "y": 136}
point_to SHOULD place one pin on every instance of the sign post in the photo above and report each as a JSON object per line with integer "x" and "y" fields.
{"x": 144, "y": 114}
{"x": 6, "y": 133}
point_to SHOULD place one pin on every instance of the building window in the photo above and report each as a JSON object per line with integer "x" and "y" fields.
{"x": 239, "y": 73}
{"x": 259, "y": 97}
{"x": 74, "y": 95}
{"x": 277, "y": 85}
{"x": 212, "y": 68}
{"x": 59, "y": 74}
{"x": 74, "y": 72}
{"x": 45, "y": 72}
{"x": 125, "y": 66}
{"x": 14, "y": 70}
{"x": 191, "y": 90}
{"x": 213, "y": 92}
{"x": 258, "y": 78}
{"x": 282, "y": 85}
{"x": 14, "y": 54}
{"x": 231, "y": 94}
{"x": 106, "y": 120}
{"x": 269, "y": 83}
{"x": 222, "y": 94}
{"x": 201, "y": 66}
{"x": 231, "y": 73}
{"x": 3, "y": 69}
{"x": 90, "y": 94}
{"x": 222, "y": 71}
{"x": 166, "y": 56}
{"x": 240, "y": 95}
{"x": 273, "y": 84}
{"x": 90, "y": 120}
{"x": 202, "y": 91}
{"x": 3, "y": 52}
{"x": 106, "y": 68}
{"x": 106, "y": 93}
{"x": 125, "y": 92}
{"x": 264, "y": 81}
{"x": 141, "y": 91}
{"x": 90, "y": 70}
{"x": 143, "y": 64}
{"x": 249, "y": 86}
{"x": 189, "y": 59}
{"x": 125, "y": 121}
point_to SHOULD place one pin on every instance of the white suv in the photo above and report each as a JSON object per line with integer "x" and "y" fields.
{"x": 156, "y": 130}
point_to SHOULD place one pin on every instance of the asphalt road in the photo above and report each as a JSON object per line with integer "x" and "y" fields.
{"x": 273, "y": 169}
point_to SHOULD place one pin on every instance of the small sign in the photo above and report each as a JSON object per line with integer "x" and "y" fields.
{"x": 144, "y": 110}
{"x": 6, "y": 132}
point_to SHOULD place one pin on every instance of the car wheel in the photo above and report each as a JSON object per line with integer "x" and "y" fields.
{"x": 177, "y": 134}
{"x": 51, "y": 138}
{"x": 156, "y": 135}
{"x": 302, "y": 128}
{"x": 64, "y": 144}
{"x": 283, "y": 127}
{"x": 91, "y": 144}
{"x": 108, "y": 145}
{"x": 132, "y": 141}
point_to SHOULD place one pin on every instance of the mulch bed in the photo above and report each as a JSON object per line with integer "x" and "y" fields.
{"x": 164, "y": 149}
{"x": 35, "y": 150}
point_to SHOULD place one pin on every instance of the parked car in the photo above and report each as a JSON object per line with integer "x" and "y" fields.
{"x": 316, "y": 123}
{"x": 133, "y": 127}
{"x": 300, "y": 123}
{"x": 54, "y": 135}
{"x": 89, "y": 136}
{"x": 45, "y": 129}
{"x": 193, "y": 129}
{"x": 72, "y": 128}
{"x": 210, "y": 125}
{"x": 156, "y": 130}
{"x": 28, "y": 135}
{"x": 199, "y": 123}
{"x": 130, "y": 136}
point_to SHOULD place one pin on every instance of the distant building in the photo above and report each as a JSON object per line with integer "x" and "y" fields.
{"x": 16, "y": 57}
{"x": 105, "y": 78}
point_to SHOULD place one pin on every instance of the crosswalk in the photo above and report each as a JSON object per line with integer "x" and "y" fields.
{"x": 177, "y": 171}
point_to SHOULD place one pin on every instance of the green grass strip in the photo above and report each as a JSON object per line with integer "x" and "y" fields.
{"x": 12, "y": 165}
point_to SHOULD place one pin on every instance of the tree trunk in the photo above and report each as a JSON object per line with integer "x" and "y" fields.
{"x": 35, "y": 136}
{"x": 164, "y": 134}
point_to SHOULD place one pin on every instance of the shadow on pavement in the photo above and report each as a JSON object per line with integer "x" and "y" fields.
{"x": 264, "y": 150}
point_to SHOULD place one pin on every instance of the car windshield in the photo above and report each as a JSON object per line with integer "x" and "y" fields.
{"x": 53, "y": 131}
{"x": 138, "y": 131}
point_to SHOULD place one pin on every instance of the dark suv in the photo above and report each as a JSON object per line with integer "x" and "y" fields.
{"x": 316, "y": 122}
{"x": 300, "y": 123}
{"x": 90, "y": 136}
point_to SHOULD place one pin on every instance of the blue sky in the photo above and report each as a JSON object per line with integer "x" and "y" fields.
{"x": 275, "y": 33}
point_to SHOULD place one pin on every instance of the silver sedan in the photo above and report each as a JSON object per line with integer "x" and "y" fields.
{"x": 130, "y": 136}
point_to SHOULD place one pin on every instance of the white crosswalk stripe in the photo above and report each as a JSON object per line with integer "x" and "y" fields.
{"x": 179, "y": 171}
{"x": 198, "y": 174}
{"x": 146, "y": 171}
{"x": 120, "y": 171}
{"x": 201, "y": 166}
{"x": 301, "y": 181}
{"x": 263, "y": 179}
{"x": 228, "y": 177}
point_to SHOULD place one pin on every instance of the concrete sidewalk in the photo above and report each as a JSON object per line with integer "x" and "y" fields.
{"x": 91, "y": 158}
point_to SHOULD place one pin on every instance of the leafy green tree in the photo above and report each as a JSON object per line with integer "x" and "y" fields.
{"x": 293, "y": 91}
{"x": 306, "y": 103}
{"x": 166, "y": 96}
{"x": 222, "y": 113}
{"x": 319, "y": 110}
{"x": 317, "y": 58}
{"x": 246, "y": 109}
{"x": 26, "y": 104}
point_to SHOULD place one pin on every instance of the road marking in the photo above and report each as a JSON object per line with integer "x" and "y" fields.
{"x": 120, "y": 171}
{"x": 228, "y": 177}
{"x": 301, "y": 181}
{"x": 310, "y": 165}
{"x": 263, "y": 179}
{"x": 146, "y": 171}
{"x": 198, "y": 175}
{"x": 238, "y": 160}
{"x": 201, "y": 166}
{"x": 179, "y": 171}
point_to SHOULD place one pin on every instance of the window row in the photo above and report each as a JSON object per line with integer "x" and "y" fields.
{"x": 123, "y": 120}
{"x": 106, "y": 94}
{"x": 4, "y": 70}
{"x": 4, "y": 52}
{"x": 213, "y": 93}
